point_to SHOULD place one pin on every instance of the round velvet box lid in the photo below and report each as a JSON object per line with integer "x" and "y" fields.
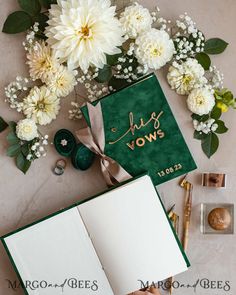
{"x": 82, "y": 158}
{"x": 64, "y": 142}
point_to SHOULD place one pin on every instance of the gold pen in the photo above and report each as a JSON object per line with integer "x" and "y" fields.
{"x": 187, "y": 210}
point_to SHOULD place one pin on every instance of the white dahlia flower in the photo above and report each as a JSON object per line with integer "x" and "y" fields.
{"x": 62, "y": 82}
{"x": 135, "y": 19}
{"x": 82, "y": 32}
{"x": 154, "y": 48}
{"x": 184, "y": 77}
{"x": 41, "y": 61}
{"x": 200, "y": 101}
{"x": 26, "y": 130}
{"x": 41, "y": 105}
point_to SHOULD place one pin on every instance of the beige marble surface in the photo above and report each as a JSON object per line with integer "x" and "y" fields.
{"x": 24, "y": 199}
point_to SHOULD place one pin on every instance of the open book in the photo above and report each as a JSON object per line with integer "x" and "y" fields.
{"x": 112, "y": 242}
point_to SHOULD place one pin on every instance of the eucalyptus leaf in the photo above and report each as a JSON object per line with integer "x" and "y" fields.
{"x": 22, "y": 163}
{"x": 210, "y": 144}
{"x": 17, "y": 22}
{"x": 14, "y": 150}
{"x": 104, "y": 74}
{"x": 3, "y": 124}
{"x": 221, "y": 127}
{"x": 12, "y": 138}
{"x": 32, "y": 7}
{"x": 204, "y": 60}
{"x": 215, "y": 46}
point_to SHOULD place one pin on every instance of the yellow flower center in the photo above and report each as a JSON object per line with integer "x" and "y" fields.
{"x": 46, "y": 63}
{"x": 139, "y": 17}
{"x": 41, "y": 106}
{"x": 27, "y": 129}
{"x": 156, "y": 51}
{"x": 60, "y": 82}
{"x": 200, "y": 100}
{"x": 187, "y": 79}
{"x": 85, "y": 32}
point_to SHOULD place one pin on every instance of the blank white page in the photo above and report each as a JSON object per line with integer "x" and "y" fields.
{"x": 57, "y": 249}
{"x": 132, "y": 236}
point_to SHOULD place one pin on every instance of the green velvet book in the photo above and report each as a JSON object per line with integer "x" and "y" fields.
{"x": 141, "y": 133}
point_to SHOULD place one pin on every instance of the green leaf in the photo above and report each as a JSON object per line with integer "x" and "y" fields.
{"x": 202, "y": 118}
{"x": 25, "y": 149}
{"x": 32, "y": 7}
{"x": 12, "y": 125}
{"x": 228, "y": 98}
{"x": 104, "y": 74}
{"x": 3, "y": 124}
{"x": 42, "y": 20}
{"x": 47, "y": 3}
{"x": 204, "y": 60}
{"x": 216, "y": 113}
{"x": 17, "y": 22}
{"x": 12, "y": 138}
{"x": 215, "y": 46}
{"x": 210, "y": 144}
{"x": 22, "y": 163}
{"x": 221, "y": 127}
{"x": 14, "y": 150}
{"x": 113, "y": 59}
{"x": 117, "y": 83}
{"x": 198, "y": 135}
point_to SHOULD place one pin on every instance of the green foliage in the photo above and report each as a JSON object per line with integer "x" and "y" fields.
{"x": 112, "y": 60}
{"x": 200, "y": 118}
{"x": 204, "y": 60}
{"x": 117, "y": 83}
{"x": 226, "y": 97}
{"x": 18, "y": 149}
{"x": 199, "y": 135}
{"x": 210, "y": 141}
{"x": 210, "y": 144}
{"x": 32, "y": 7}
{"x": 14, "y": 150}
{"x": 215, "y": 113}
{"x": 12, "y": 126}
{"x": 17, "y": 22}
{"x": 215, "y": 46}
{"x": 47, "y": 3}
{"x": 21, "y": 21}
{"x": 3, "y": 124}
{"x": 12, "y": 138}
{"x": 221, "y": 127}
{"x": 25, "y": 148}
{"x": 104, "y": 74}
{"x": 42, "y": 19}
{"x": 22, "y": 163}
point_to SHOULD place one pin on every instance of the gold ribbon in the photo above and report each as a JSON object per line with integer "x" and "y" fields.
{"x": 94, "y": 139}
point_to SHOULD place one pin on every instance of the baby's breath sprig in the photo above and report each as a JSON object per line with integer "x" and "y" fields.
{"x": 188, "y": 40}
{"x": 31, "y": 37}
{"x": 15, "y": 91}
